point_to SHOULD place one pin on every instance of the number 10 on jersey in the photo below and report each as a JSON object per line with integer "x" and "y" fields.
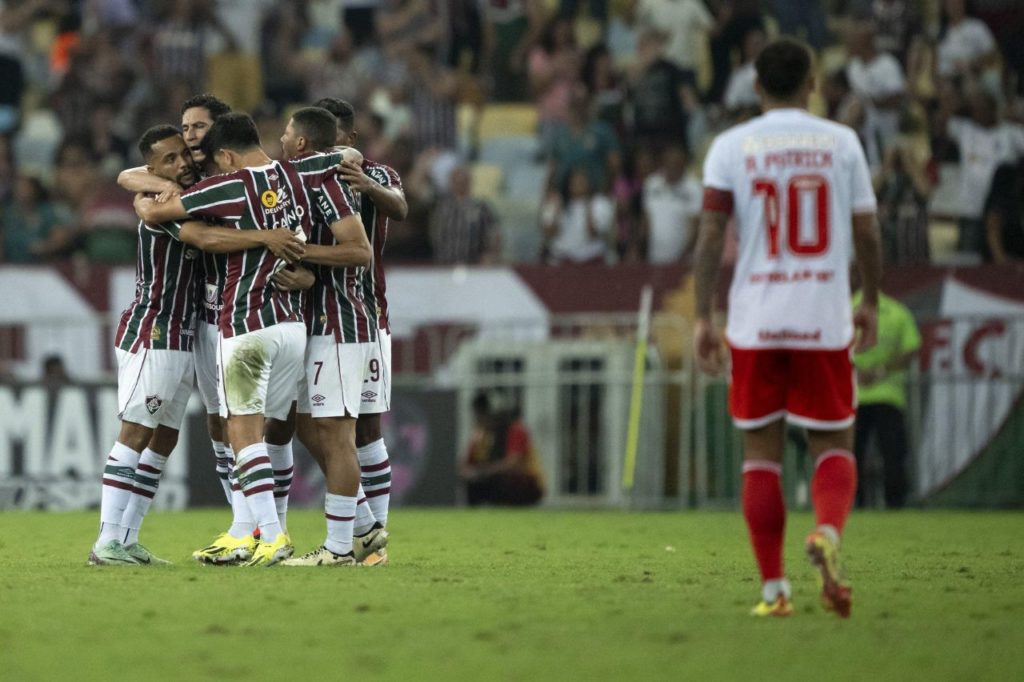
{"x": 799, "y": 186}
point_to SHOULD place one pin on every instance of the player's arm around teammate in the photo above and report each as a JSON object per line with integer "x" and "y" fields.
{"x": 352, "y": 248}
{"x": 389, "y": 200}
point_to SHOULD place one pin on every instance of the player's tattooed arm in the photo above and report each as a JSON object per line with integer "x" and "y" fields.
{"x": 710, "y": 243}
{"x": 389, "y": 200}
{"x": 139, "y": 179}
{"x": 352, "y": 248}
{"x": 294, "y": 278}
{"x": 213, "y": 239}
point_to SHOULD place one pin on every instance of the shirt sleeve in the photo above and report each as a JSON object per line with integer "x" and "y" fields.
{"x": 335, "y": 199}
{"x": 716, "y": 166}
{"x": 862, "y": 195}
{"x": 219, "y": 199}
{"x": 891, "y": 80}
{"x": 983, "y": 38}
{"x": 172, "y": 228}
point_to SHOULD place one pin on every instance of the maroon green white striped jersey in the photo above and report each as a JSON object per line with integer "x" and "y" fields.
{"x": 162, "y": 315}
{"x": 259, "y": 198}
{"x": 338, "y": 304}
{"x": 209, "y": 285}
{"x": 376, "y": 224}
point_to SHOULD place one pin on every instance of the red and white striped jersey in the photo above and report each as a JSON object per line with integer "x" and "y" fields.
{"x": 794, "y": 180}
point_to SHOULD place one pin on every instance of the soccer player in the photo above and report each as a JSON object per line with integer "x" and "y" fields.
{"x": 341, "y": 348}
{"x": 382, "y": 199}
{"x": 801, "y": 192}
{"x": 262, "y": 339}
{"x": 154, "y": 352}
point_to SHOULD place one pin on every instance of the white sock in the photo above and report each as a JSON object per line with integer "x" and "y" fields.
{"x": 256, "y": 478}
{"x": 118, "y": 481}
{"x": 771, "y": 589}
{"x": 832, "y": 532}
{"x": 283, "y": 463}
{"x": 224, "y": 464}
{"x": 365, "y": 520}
{"x": 340, "y": 512}
{"x": 242, "y": 523}
{"x": 147, "y": 479}
{"x": 375, "y": 473}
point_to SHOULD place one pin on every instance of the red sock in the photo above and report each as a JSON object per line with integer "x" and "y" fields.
{"x": 833, "y": 487}
{"x": 765, "y": 512}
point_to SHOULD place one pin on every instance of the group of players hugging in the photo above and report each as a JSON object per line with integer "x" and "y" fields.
{"x": 265, "y": 280}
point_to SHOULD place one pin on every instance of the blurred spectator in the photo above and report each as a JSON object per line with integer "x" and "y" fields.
{"x": 554, "y": 72}
{"x": 685, "y": 21}
{"x": 628, "y": 191}
{"x": 280, "y": 36}
{"x": 577, "y": 222}
{"x": 735, "y": 20}
{"x": 587, "y": 143}
{"x": 876, "y": 78}
{"x": 663, "y": 95}
{"x": 360, "y": 18}
{"x": 898, "y": 24}
{"x": 671, "y": 203}
{"x": 465, "y": 229}
{"x": 985, "y": 142}
{"x": 500, "y": 466}
{"x": 1004, "y": 216}
{"x": 967, "y": 46}
{"x": 433, "y": 93}
{"x": 405, "y": 25}
{"x": 465, "y": 36}
{"x": 740, "y": 94}
{"x": 179, "y": 42}
{"x": 510, "y": 27}
{"x": 903, "y": 189}
{"x": 841, "y": 105}
{"x": 55, "y": 374}
{"x": 802, "y": 19}
{"x": 32, "y": 228}
{"x": 14, "y": 18}
{"x": 882, "y": 399}
{"x": 596, "y": 9}
{"x": 342, "y": 74}
{"x": 604, "y": 86}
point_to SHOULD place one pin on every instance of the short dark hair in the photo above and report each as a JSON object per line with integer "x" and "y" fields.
{"x": 235, "y": 131}
{"x": 341, "y": 110}
{"x": 317, "y": 125}
{"x": 217, "y": 107}
{"x": 154, "y": 135}
{"x": 783, "y": 67}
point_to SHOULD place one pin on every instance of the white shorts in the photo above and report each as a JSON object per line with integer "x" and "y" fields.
{"x": 335, "y": 375}
{"x": 205, "y": 350}
{"x": 260, "y": 371}
{"x": 376, "y": 397}
{"x": 153, "y": 386}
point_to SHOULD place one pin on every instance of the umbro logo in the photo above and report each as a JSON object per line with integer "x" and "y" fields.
{"x": 318, "y": 400}
{"x": 369, "y": 396}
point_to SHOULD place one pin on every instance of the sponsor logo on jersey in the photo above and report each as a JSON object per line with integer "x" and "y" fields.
{"x": 153, "y": 403}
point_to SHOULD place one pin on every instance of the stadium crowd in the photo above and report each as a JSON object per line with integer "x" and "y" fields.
{"x": 627, "y": 95}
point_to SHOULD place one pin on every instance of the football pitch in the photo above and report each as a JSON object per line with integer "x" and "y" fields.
{"x": 510, "y": 595}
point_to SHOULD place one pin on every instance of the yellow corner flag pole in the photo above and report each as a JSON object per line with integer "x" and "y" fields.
{"x": 643, "y": 324}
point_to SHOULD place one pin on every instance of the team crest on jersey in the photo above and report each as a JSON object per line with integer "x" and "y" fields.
{"x": 269, "y": 198}
{"x": 153, "y": 403}
{"x": 155, "y": 334}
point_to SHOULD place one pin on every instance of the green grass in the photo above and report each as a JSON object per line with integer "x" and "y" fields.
{"x": 517, "y": 596}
